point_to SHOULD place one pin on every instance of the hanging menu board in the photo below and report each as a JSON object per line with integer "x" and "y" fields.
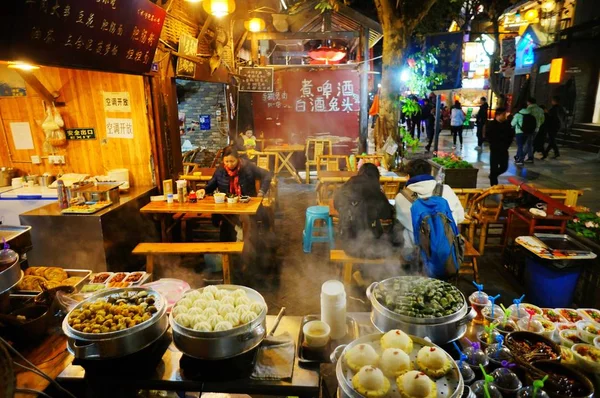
{"x": 256, "y": 80}
{"x": 111, "y": 35}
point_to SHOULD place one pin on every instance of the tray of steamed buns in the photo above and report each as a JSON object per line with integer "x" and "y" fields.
{"x": 394, "y": 364}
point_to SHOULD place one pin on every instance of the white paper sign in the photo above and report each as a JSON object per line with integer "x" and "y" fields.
{"x": 116, "y": 101}
{"x": 21, "y": 133}
{"x": 119, "y": 128}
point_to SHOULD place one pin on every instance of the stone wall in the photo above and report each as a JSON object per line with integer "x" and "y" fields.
{"x": 201, "y": 98}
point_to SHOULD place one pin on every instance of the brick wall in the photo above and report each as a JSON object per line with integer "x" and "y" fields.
{"x": 201, "y": 98}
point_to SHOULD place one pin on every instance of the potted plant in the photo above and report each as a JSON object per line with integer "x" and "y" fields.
{"x": 586, "y": 228}
{"x": 458, "y": 173}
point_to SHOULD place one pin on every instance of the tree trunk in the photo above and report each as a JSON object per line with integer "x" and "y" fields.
{"x": 495, "y": 58}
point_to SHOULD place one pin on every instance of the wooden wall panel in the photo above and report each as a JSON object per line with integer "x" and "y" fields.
{"x": 82, "y": 93}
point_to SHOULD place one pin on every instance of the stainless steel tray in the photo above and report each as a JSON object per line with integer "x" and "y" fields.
{"x": 83, "y": 273}
{"x": 305, "y": 356}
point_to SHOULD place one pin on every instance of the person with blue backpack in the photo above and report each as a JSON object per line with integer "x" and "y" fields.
{"x": 430, "y": 213}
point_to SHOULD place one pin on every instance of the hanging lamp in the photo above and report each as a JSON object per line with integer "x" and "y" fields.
{"x": 219, "y": 8}
{"x": 255, "y": 25}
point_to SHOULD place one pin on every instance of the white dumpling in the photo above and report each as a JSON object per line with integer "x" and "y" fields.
{"x": 210, "y": 312}
{"x": 228, "y": 300}
{"x": 241, "y": 309}
{"x": 248, "y": 317}
{"x": 242, "y": 301}
{"x": 195, "y": 311}
{"x": 225, "y": 309}
{"x": 256, "y": 307}
{"x": 213, "y": 304}
{"x": 200, "y": 303}
{"x": 193, "y": 295}
{"x": 238, "y": 293}
{"x": 203, "y": 327}
{"x": 208, "y": 296}
{"x": 222, "y": 326}
{"x": 185, "y": 302}
{"x": 213, "y": 320}
{"x": 210, "y": 289}
{"x": 197, "y": 319}
{"x": 232, "y": 317}
{"x": 184, "y": 320}
{"x": 178, "y": 309}
{"x": 220, "y": 294}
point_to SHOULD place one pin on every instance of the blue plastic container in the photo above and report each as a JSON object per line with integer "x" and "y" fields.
{"x": 548, "y": 286}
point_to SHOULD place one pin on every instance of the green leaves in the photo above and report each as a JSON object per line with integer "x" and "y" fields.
{"x": 586, "y": 224}
{"x": 422, "y": 78}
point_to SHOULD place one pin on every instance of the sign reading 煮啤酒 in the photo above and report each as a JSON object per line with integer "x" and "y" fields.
{"x": 119, "y": 128}
{"x": 110, "y": 35}
{"x": 188, "y": 45}
{"x": 116, "y": 101}
{"x": 80, "y": 134}
{"x": 256, "y": 80}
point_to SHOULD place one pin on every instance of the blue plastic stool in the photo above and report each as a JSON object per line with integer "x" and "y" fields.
{"x": 313, "y": 214}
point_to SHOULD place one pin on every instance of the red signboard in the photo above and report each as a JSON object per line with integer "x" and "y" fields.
{"x": 308, "y": 104}
{"x": 111, "y": 35}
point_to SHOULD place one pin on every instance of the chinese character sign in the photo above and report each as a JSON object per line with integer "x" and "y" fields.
{"x": 307, "y": 103}
{"x": 112, "y": 35}
{"x": 449, "y": 58}
{"x": 256, "y": 80}
{"x": 116, "y": 101}
{"x": 188, "y": 45}
{"x": 119, "y": 128}
{"x": 80, "y": 134}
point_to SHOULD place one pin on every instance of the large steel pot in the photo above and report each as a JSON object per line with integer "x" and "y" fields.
{"x": 122, "y": 342}
{"x": 225, "y": 344}
{"x": 451, "y": 385}
{"x": 10, "y": 277}
{"x": 440, "y": 330}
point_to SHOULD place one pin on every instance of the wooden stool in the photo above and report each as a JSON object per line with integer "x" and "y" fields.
{"x": 468, "y": 267}
{"x": 165, "y": 249}
{"x": 339, "y": 256}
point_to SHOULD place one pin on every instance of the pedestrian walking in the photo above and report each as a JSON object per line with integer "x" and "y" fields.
{"x": 538, "y": 114}
{"x": 499, "y": 134}
{"x": 457, "y": 119}
{"x": 427, "y": 114}
{"x": 524, "y": 124}
{"x": 480, "y": 121}
{"x": 556, "y": 118}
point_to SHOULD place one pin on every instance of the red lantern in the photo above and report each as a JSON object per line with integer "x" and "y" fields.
{"x": 328, "y": 52}
{"x": 411, "y": 62}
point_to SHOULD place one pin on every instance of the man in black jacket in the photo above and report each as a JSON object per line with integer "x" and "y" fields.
{"x": 480, "y": 120}
{"x": 556, "y": 116}
{"x": 499, "y": 134}
{"x": 429, "y": 118}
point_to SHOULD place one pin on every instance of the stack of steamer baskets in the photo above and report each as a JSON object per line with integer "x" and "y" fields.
{"x": 219, "y": 322}
{"x": 115, "y": 323}
{"x": 420, "y": 306}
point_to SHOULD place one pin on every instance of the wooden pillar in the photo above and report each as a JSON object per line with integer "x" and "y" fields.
{"x": 254, "y": 48}
{"x": 364, "y": 90}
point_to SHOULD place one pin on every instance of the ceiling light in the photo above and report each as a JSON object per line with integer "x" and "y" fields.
{"x": 22, "y": 65}
{"x": 548, "y": 5}
{"x": 219, "y": 8}
{"x": 255, "y": 25}
{"x": 531, "y": 15}
{"x": 194, "y": 1}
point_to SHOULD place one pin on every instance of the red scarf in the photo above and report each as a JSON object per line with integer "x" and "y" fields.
{"x": 234, "y": 179}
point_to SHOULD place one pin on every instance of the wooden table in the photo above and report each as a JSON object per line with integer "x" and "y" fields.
{"x": 284, "y": 153}
{"x": 203, "y": 206}
{"x": 548, "y": 224}
{"x": 305, "y": 381}
{"x": 206, "y": 174}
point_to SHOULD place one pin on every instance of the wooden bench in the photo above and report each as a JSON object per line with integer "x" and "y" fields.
{"x": 470, "y": 261}
{"x": 339, "y": 256}
{"x": 226, "y": 249}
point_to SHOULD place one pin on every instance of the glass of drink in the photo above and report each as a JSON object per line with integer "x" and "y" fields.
{"x": 478, "y": 301}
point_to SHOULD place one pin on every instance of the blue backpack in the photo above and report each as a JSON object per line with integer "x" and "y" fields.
{"x": 441, "y": 247}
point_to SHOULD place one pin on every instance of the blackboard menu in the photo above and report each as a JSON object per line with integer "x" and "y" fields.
{"x": 256, "y": 80}
{"x": 111, "y": 35}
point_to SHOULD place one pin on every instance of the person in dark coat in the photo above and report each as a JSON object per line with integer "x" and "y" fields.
{"x": 499, "y": 134}
{"x": 540, "y": 138}
{"x": 236, "y": 176}
{"x": 427, "y": 115}
{"x": 480, "y": 120}
{"x": 554, "y": 121}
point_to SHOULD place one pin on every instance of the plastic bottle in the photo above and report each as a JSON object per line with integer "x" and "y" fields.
{"x": 333, "y": 308}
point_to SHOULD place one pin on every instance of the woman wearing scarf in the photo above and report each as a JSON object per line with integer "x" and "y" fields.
{"x": 236, "y": 176}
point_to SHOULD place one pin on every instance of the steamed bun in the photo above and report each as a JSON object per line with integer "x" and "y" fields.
{"x": 223, "y": 325}
{"x": 242, "y": 301}
{"x": 210, "y": 312}
{"x": 232, "y": 317}
{"x": 241, "y": 309}
{"x": 248, "y": 317}
{"x": 208, "y": 296}
{"x": 220, "y": 294}
{"x": 210, "y": 289}
{"x": 184, "y": 320}
{"x": 193, "y": 295}
{"x": 228, "y": 300}
{"x": 185, "y": 302}
{"x": 195, "y": 311}
{"x": 200, "y": 303}
{"x": 256, "y": 307}
{"x": 225, "y": 309}
{"x": 213, "y": 304}
{"x": 197, "y": 319}
{"x": 203, "y": 327}
{"x": 214, "y": 320}
{"x": 238, "y": 293}
{"x": 178, "y": 309}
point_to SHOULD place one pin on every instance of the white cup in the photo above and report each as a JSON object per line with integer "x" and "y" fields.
{"x": 316, "y": 333}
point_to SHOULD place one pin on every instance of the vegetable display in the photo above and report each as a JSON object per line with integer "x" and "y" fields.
{"x": 419, "y": 297}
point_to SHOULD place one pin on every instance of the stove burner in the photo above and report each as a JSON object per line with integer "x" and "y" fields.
{"x": 238, "y": 367}
{"x": 141, "y": 363}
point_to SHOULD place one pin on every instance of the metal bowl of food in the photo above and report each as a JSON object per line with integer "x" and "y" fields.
{"x": 423, "y": 307}
{"x": 115, "y": 323}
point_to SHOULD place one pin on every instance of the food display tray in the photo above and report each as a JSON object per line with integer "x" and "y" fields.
{"x": 84, "y": 274}
{"x": 305, "y": 355}
{"x": 450, "y": 386}
{"x": 91, "y": 209}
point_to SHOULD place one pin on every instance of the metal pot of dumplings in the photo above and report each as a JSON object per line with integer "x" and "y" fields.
{"x": 98, "y": 346}
{"x": 440, "y": 330}
{"x": 224, "y": 344}
{"x": 451, "y": 385}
